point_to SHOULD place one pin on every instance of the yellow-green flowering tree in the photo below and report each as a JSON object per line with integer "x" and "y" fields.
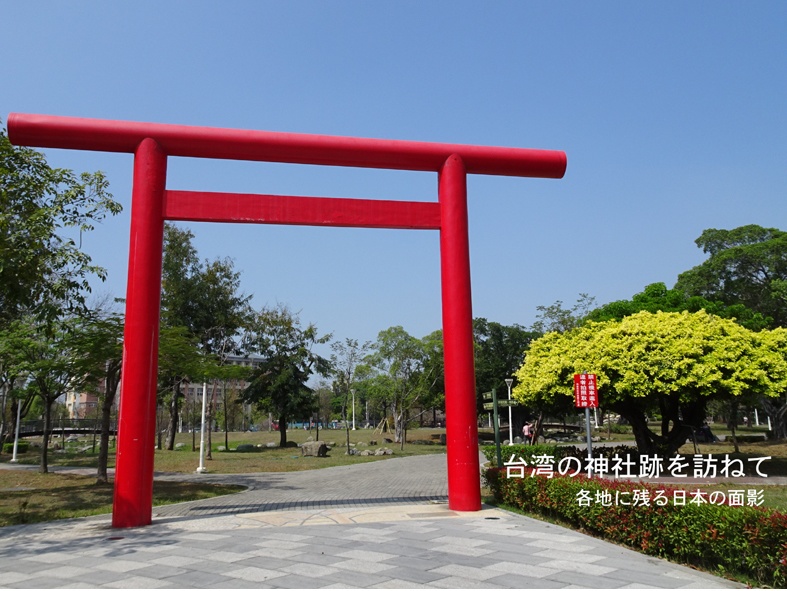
{"x": 667, "y": 363}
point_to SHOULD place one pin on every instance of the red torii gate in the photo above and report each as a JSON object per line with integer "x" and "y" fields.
{"x": 152, "y": 203}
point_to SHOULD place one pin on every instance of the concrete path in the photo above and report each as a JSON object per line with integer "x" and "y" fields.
{"x": 377, "y": 525}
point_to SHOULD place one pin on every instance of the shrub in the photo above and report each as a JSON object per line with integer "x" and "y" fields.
{"x": 246, "y": 447}
{"x": 748, "y": 541}
{"x": 21, "y": 447}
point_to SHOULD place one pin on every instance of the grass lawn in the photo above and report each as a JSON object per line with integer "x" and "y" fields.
{"x": 31, "y": 497}
{"x": 27, "y": 496}
{"x": 265, "y": 459}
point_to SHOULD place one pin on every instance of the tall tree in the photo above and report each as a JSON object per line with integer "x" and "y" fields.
{"x": 556, "y": 318}
{"x": 657, "y": 298}
{"x": 345, "y": 360}
{"x": 100, "y": 352}
{"x": 52, "y": 361}
{"x": 279, "y": 382}
{"x": 499, "y": 351}
{"x": 434, "y": 374}
{"x": 44, "y": 211}
{"x": 204, "y": 299}
{"x": 746, "y": 265}
{"x": 400, "y": 362}
{"x": 665, "y": 363}
{"x": 43, "y": 271}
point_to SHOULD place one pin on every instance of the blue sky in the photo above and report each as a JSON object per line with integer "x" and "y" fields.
{"x": 673, "y": 116}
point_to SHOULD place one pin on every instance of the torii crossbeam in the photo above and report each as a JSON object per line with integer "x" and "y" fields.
{"x": 152, "y": 204}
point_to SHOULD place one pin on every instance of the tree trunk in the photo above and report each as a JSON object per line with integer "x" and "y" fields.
{"x": 211, "y": 413}
{"x": 398, "y": 425}
{"x": 209, "y": 429}
{"x": 103, "y": 447}
{"x": 776, "y": 409}
{"x": 2, "y": 416}
{"x": 283, "y": 431}
{"x": 172, "y": 427}
{"x": 44, "y": 467}
{"x": 346, "y": 424}
{"x": 224, "y": 398}
{"x": 644, "y": 437}
{"x": 734, "y": 423}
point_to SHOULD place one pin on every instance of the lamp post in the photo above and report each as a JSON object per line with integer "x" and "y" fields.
{"x": 508, "y": 382}
{"x": 13, "y": 459}
{"x": 202, "y": 467}
{"x": 353, "y": 393}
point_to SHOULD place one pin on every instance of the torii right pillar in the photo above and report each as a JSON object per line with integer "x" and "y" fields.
{"x": 464, "y": 478}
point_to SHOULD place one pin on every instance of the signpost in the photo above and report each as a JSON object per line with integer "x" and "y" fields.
{"x": 586, "y": 396}
{"x": 493, "y": 407}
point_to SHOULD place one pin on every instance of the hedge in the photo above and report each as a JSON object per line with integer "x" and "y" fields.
{"x": 22, "y": 447}
{"x": 748, "y": 541}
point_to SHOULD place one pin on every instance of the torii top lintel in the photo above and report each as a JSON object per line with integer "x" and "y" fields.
{"x": 49, "y": 131}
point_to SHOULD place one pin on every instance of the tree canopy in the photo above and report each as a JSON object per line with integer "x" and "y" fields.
{"x": 657, "y": 298}
{"x": 43, "y": 212}
{"x": 279, "y": 382}
{"x": 746, "y": 265}
{"x": 666, "y": 363}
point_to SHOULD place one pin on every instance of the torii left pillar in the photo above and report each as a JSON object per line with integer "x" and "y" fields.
{"x": 137, "y": 422}
{"x": 460, "y": 407}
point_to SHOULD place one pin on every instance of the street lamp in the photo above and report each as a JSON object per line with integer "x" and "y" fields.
{"x": 202, "y": 469}
{"x": 508, "y": 382}
{"x": 14, "y": 459}
{"x": 353, "y": 393}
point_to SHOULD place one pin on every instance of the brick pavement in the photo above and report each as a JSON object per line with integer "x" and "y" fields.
{"x": 377, "y": 525}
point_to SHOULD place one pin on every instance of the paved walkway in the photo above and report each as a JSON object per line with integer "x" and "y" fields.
{"x": 377, "y": 525}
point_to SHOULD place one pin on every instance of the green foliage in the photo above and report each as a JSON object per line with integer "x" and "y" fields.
{"x": 202, "y": 313}
{"x": 746, "y": 265}
{"x": 21, "y": 447}
{"x": 346, "y": 363}
{"x": 43, "y": 271}
{"x": 657, "y": 298}
{"x": 667, "y": 362}
{"x": 279, "y": 383}
{"x": 746, "y": 541}
{"x": 400, "y": 374}
{"x": 499, "y": 351}
{"x": 556, "y": 318}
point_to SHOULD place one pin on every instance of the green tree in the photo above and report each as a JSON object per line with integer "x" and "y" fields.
{"x": 670, "y": 363}
{"x": 44, "y": 211}
{"x": 434, "y": 374}
{"x": 400, "y": 362}
{"x": 52, "y": 362}
{"x": 279, "y": 382}
{"x": 499, "y": 351}
{"x": 657, "y": 298}
{"x": 44, "y": 272}
{"x": 556, "y": 318}
{"x": 180, "y": 361}
{"x": 345, "y": 360}
{"x": 100, "y": 352}
{"x": 204, "y": 299}
{"x": 775, "y": 344}
{"x": 746, "y": 265}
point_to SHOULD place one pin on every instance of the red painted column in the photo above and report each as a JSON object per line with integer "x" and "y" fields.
{"x": 133, "y": 503}
{"x": 464, "y": 479}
